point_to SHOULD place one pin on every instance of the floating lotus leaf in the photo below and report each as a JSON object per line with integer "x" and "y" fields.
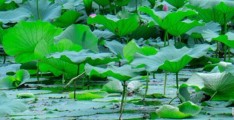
{"x": 184, "y": 110}
{"x": 20, "y": 77}
{"x": 9, "y": 106}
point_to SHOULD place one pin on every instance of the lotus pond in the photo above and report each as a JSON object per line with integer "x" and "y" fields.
{"x": 116, "y": 59}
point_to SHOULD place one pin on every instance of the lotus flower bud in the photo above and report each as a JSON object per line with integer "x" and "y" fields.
{"x": 165, "y": 7}
{"x": 92, "y": 15}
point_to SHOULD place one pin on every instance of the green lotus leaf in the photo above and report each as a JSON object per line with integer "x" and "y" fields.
{"x": 174, "y": 22}
{"x": 85, "y": 56}
{"x": 113, "y": 86}
{"x": 170, "y": 59}
{"x": 218, "y": 85}
{"x": 63, "y": 22}
{"x": 115, "y": 47}
{"x": 123, "y": 73}
{"x": 122, "y": 2}
{"x": 220, "y": 11}
{"x": 177, "y": 3}
{"x": 103, "y": 3}
{"x": 226, "y": 39}
{"x": 120, "y": 27}
{"x": 20, "y": 77}
{"x": 65, "y": 45}
{"x": 58, "y": 67}
{"x": 21, "y": 40}
{"x": 9, "y": 68}
{"x": 88, "y": 95}
{"x": 184, "y": 110}
{"x": 9, "y": 106}
{"x": 42, "y": 10}
{"x": 80, "y": 35}
{"x": 132, "y": 48}
{"x": 13, "y": 16}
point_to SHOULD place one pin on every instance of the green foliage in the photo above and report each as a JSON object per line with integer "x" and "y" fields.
{"x": 88, "y": 95}
{"x": 122, "y": 73}
{"x": 121, "y": 27}
{"x": 177, "y": 3}
{"x": 174, "y": 22}
{"x": 80, "y": 35}
{"x": 184, "y": 110}
{"x": 218, "y": 85}
{"x": 22, "y": 40}
{"x": 170, "y": 59}
{"x": 63, "y": 22}
{"x": 20, "y": 77}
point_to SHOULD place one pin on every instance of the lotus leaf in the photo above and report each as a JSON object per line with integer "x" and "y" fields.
{"x": 80, "y": 35}
{"x": 184, "y": 110}
{"x": 21, "y": 40}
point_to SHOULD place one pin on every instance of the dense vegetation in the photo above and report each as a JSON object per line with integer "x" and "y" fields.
{"x": 121, "y": 52}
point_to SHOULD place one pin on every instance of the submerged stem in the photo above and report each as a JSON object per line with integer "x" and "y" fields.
{"x": 147, "y": 86}
{"x": 122, "y": 100}
{"x": 165, "y": 84}
{"x": 177, "y": 80}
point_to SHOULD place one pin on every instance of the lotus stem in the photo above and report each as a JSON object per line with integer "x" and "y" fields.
{"x": 172, "y": 99}
{"x": 122, "y": 101}
{"x": 136, "y": 1}
{"x": 75, "y": 78}
{"x": 177, "y": 80}
{"x": 147, "y": 86}
{"x": 165, "y": 38}
{"x": 229, "y": 54}
{"x": 38, "y": 13}
{"x": 37, "y": 74}
{"x": 213, "y": 95}
{"x": 154, "y": 75}
{"x": 165, "y": 84}
{"x": 63, "y": 79}
{"x": 225, "y": 52}
{"x": 4, "y": 59}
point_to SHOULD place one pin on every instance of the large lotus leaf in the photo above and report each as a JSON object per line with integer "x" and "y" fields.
{"x": 220, "y": 11}
{"x": 13, "y": 16}
{"x": 211, "y": 26}
{"x": 132, "y": 48}
{"x": 218, "y": 85}
{"x": 21, "y": 40}
{"x": 65, "y": 44}
{"x": 9, "y": 106}
{"x": 174, "y": 22}
{"x": 170, "y": 59}
{"x": 123, "y": 73}
{"x": 226, "y": 39}
{"x": 58, "y": 67}
{"x": 81, "y": 35}
{"x": 20, "y": 77}
{"x": 120, "y": 27}
{"x": 184, "y": 110}
{"x": 42, "y": 10}
{"x": 10, "y": 68}
{"x": 85, "y": 56}
{"x": 62, "y": 21}
{"x": 122, "y": 2}
{"x": 177, "y": 3}
{"x": 115, "y": 47}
